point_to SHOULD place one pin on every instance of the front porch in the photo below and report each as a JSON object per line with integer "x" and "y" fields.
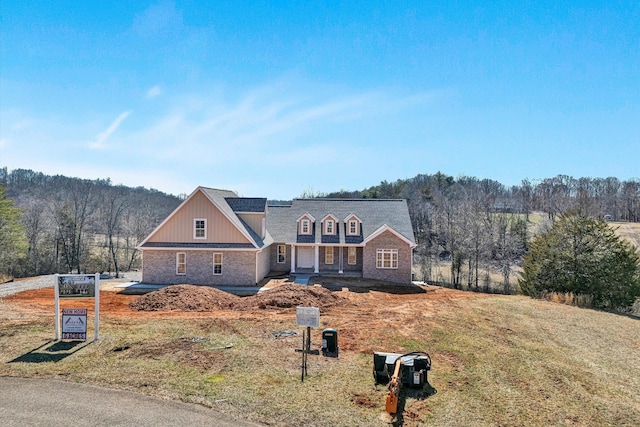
{"x": 302, "y": 276}
{"x": 326, "y": 260}
{"x": 325, "y": 273}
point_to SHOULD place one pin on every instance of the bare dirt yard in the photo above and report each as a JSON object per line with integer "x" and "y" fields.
{"x": 497, "y": 360}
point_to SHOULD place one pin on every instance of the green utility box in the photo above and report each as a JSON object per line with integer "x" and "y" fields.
{"x": 330, "y": 342}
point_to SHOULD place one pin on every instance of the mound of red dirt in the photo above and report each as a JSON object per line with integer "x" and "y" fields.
{"x": 290, "y": 295}
{"x": 184, "y": 298}
{"x": 203, "y": 298}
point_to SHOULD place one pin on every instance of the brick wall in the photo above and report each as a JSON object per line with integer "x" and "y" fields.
{"x": 345, "y": 260}
{"x": 275, "y": 266}
{"x": 238, "y": 268}
{"x": 387, "y": 240}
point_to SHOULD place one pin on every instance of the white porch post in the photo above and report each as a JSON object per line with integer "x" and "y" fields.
{"x": 340, "y": 262}
{"x": 316, "y": 262}
{"x": 293, "y": 258}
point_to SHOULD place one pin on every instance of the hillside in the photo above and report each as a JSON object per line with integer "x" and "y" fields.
{"x": 497, "y": 360}
{"x": 629, "y": 231}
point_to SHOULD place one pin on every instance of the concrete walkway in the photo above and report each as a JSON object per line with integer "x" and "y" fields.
{"x": 51, "y": 403}
{"x": 302, "y": 279}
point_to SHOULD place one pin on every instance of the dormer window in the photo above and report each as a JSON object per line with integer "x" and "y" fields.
{"x": 353, "y": 224}
{"x": 329, "y": 226}
{"x": 353, "y": 227}
{"x": 305, "y": 226}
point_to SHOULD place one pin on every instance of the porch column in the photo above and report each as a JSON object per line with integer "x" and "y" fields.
{"x": 316, "y": 262}
{"x": 340, "y": 262}
{"x": 293, "y": 258}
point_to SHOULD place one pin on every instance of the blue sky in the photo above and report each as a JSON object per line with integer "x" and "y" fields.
{"x": 272, "y": 98}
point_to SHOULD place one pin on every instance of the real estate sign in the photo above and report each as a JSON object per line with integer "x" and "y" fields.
{"x": 74, "y": 320}
{"x": 76, "y": 286}
{"x": 74, "y": 324}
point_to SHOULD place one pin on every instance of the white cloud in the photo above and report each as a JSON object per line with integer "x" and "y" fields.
{"x": 153, "y": 92}
{"x": 102, "y": 137}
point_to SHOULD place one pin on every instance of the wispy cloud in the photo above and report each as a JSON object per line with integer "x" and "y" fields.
{"x": 102, "y": 137}
{"x": 154, "y": 91}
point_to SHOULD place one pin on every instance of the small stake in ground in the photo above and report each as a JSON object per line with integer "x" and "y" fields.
{"x": 309, "y": 317}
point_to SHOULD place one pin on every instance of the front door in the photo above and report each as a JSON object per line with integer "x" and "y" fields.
{"x": 305, "y": 257}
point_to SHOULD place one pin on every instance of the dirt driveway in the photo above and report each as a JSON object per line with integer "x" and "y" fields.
{"x": 363, "y": 305}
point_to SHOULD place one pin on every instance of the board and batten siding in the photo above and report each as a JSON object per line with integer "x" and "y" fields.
{"x": 253, "y": 220}
{"x": 179, "y": 228}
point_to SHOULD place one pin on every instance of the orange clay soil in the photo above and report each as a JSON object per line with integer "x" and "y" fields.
{"x": 356, "y": 307}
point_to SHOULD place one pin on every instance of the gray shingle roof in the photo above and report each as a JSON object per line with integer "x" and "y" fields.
{"x": 374, "y": 213}
{"x": 247, "y": 204}
{"x": 222, "y": 197}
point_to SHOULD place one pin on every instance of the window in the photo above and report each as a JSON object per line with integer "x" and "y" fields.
{"x": 329, "y": 225}
{"x": 351, "y": 258}
{"x": 181, "y": 263}
{"x": 328, "y": 255}
{"x": 199, "y": 228}
{"x": 353, "y": 227}
{"x": 387, "y": 258}
{"x": 217, "y": 263}
{"x": 305, "y": 226}
{"x": 282, "y": 254}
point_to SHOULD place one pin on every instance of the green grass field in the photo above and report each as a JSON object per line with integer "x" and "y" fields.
{"x": 497, "y": 361}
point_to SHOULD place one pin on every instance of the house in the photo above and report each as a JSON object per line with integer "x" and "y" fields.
{"x": 217, "y": 238}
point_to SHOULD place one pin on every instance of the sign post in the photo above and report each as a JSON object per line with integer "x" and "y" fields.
{"x": 309, "y": 317}
{"x": 76, "y": 286}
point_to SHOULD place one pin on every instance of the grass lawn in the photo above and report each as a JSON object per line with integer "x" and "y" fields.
{"x": 497, "y": 360}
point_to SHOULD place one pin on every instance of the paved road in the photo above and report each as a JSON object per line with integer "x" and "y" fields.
{"x": 40, "y": 402}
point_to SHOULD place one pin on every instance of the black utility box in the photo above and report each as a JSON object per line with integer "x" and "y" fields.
{"x": 413, "y": 370}
{"x": 330, "y": 342}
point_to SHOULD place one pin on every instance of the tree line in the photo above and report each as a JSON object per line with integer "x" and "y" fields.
{"x": 469, "y": 231}
{"x": 480, "y": 228}
{"x": 60, "y": 224}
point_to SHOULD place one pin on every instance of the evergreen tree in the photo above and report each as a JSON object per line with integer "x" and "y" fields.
{"x": 584, "y": 256}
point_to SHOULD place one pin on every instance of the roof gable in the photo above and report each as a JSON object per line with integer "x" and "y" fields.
{"x": 306, "y": 215}
{"x": 216, "y": 198}
{"x": 330, "y": 216}
{"x": 384, "y": 228}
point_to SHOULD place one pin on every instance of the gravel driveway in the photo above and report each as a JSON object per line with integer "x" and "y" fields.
{"x": 49, "y": 280}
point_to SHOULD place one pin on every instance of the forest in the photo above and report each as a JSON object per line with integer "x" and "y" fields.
{"x": 471, "y": 233}
{"x": 77, "y": 225}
